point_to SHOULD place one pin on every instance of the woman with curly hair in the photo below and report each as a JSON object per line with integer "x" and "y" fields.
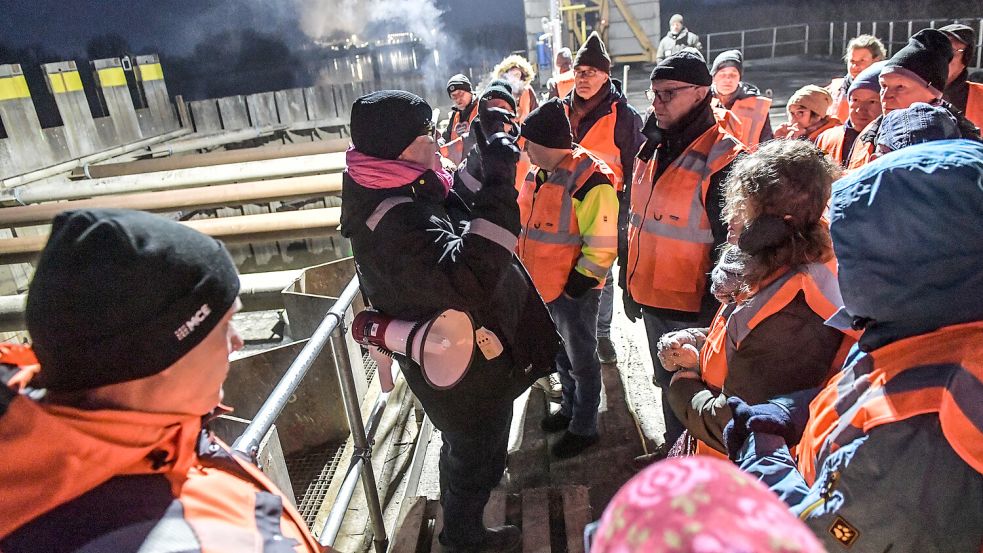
{"x": 776, "y": 279}
{"x": 519, "y": 73}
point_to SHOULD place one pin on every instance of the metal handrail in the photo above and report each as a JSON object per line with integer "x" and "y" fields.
{"x": 332, "y": 328}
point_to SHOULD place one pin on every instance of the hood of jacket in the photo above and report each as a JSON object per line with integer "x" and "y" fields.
{"x": 54, "y": 454}
{"x": 907, "y": 235}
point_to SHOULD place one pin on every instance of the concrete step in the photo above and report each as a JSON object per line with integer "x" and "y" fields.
{"x": 552, "y": 520}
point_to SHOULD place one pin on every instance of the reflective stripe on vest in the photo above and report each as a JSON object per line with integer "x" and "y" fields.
{"x": 831, "y": 143}
{"x": 669, "y": 237}
{"x": 753, "y": 115}
{"x": 734, "y": 322}
{"x": 599, "y": 141}
{"x": 550, "y": 241}
{"x": 938, "y": 373}
{"x": 564, "y": 84}
{"x": 974, "y": 104}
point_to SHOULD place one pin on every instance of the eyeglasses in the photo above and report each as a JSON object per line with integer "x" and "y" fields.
{"x": 665, "y": 96}
{"x": 585, "y": 73}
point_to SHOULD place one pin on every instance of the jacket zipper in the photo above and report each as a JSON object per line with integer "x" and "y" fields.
{"x": 824, "y": 495}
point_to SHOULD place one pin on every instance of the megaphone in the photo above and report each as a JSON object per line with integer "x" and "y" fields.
{"x": 443, "y": 346}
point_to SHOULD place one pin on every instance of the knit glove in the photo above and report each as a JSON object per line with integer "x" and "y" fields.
{"x": 499, "y": 153}
{"x": 632, "y": 309}
{"x": 785, "y": 416}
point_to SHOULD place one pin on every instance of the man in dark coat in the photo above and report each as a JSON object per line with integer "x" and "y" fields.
{"x": 416, "y": 257}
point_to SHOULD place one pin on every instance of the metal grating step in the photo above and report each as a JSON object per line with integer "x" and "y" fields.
{"x": 311, "y": 473}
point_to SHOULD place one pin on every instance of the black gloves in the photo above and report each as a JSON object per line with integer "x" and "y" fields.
{"x": 654, "y": 136}
{"x": 578, "y": 284}
{"x": 499, "y": 153}
{"x": 632, "y": 309}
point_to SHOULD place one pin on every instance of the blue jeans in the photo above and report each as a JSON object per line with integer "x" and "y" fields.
{"x": 577, "y": 363}
{"x": 605, "y": 313}
{"x": 655, "y": 327}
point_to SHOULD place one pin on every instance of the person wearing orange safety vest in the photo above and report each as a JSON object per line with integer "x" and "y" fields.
{"x": 104, "y": 447}
{"x": 777, "y": 282}
{"x": 890, "y": 451}
{"x": 569, "y": 238}
{"x": 456, "y": 141}
{"x": 519, "y": 73}
{"x": 865, "y": 106}
{"x": 675, "y": 225}
{"x": 807, "y": 117}
{"x": 743, "y": 100}
{"x": 604, "y": 124}
{"x": 861, "y": 52}
{"x": 561, "y": 85}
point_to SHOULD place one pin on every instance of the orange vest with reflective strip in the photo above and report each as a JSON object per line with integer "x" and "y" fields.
{"x": 861, "y": 151}
{"x": 752, "y": 115}
{"x": 550, "y": 241}
{"x": 669, "y": 238}
{"x": 840, "y": 108}
{"x": 831, "y": 143}
{"x": 453, "y": 149}
{"x": 728, "y": 120}
{"x": 974, "y": 104}
{"x": 830, "y": 123}
{"x": 564, "y": 84}
{"x": 735, "y": 322}
{"x": 525, "y": 104}
{"x": 599, "y": 141}
{"x": 935, "y": 373}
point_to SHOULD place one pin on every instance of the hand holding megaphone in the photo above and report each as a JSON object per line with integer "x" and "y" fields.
{"x": 443, "y": 346}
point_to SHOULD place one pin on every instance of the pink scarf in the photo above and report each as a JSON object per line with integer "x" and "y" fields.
{"x": 377, "y": 173}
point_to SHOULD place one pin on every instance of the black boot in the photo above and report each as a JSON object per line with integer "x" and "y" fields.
{"x": 571, "y": 445}
{"x": 500, "y": 539}
{"x": 555, "y": 422}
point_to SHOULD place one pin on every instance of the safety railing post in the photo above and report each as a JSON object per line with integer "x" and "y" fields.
{"x": 709, "y": 51}
{"x": 873, "y": 28}
{"x": 890, "y": 39}
{"x": 774, "y": 40}
{"x": 843, "y": 44}
{"x": 742, "y": 42}
{"x": 979, "y": 45}
{"x": 362, "y": 446}
{"x": 832, "y": 26}
{"x": 805, "y": 48}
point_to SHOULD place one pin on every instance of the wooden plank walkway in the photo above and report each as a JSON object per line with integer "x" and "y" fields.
{"x": 552, "y": 520}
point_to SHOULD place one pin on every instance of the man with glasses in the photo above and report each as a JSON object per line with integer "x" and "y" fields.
{"x": 604, "y": 124}
{"x": 417, "y": 255}
{"x": 675, "y": 225}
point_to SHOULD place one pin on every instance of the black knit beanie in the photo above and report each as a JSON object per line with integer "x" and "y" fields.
{"x": 548, "y": 126}
{"x": 120, "y": 295}
{"x": 686, "y": 66}
{"x": 459, "y": 82}
{"x": 593, "y": 54}
{"x": 501, "y": 90}
{"x": 728, "y": 58}
{"x": 926, "y": 57}
{"x": 384, "y": 123}
{"x": 966, "y": 35}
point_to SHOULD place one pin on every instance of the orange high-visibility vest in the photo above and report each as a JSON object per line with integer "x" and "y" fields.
{"x": 831, "y": 143}
{"x": 735, "y": 322}
{"x": 752, "y": 113}
{"x": 525, "y": 104}
{"x": 830, "y": 123}
{"x": 550, "y": 241}
{"x": 861, "y": 151}
{"x": 974, "y": 104}
{"x": 728, "y": 120}
{"x": 564, "y": 84}
{"x": 453, "y": 149}
{"x": 669, "y": 238}
{"x": 840, "y": 108}
{"x": 887, "y": 386}
{"x": 599, "y": 141}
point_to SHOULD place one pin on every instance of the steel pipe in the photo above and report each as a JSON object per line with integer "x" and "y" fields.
{"x": 211, "y": 158}
{"x": 64, "y": 167}
{"x": 211, "y": 141}
{"x": 304, "y": 223}
{"x": 187, "y": 198}
{"x": 181, "y": 178}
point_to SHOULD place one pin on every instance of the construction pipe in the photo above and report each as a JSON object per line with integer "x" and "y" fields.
{"x": 221, "y": 195}
{"x": 211, "y": 158}
{"x": 182, "y": 178}
{"x": 266, "y": 227}
{"x": 212, "y": 141}
{"x": 67, "y": 166}
{"x": 258, "y": 291}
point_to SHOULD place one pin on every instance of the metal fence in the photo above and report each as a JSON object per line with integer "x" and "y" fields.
{"x": 828, "y": 39}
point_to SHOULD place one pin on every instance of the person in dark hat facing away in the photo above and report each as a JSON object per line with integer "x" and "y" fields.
{"x": 604, "y": 124}
{"x": 966, "y": 96}
{"x": 455, "y": 141}
{"x": 105, "y": 450}
{"x": 915, "y": 73}
{"x": 568, "y": 243}
{"x": 742, "y": 99}
{"x": 675, "y": 224}
{"x": 416, "y": 258}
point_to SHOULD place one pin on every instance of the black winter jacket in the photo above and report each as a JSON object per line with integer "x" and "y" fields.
{"x": 431, "y": 254}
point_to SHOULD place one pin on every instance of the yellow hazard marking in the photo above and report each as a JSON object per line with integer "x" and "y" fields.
{"x": 112, "y": 76}
{"x": 65, "y": 82}
{"x": 151, "y": 72}
{"x": 14, "y": 87}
